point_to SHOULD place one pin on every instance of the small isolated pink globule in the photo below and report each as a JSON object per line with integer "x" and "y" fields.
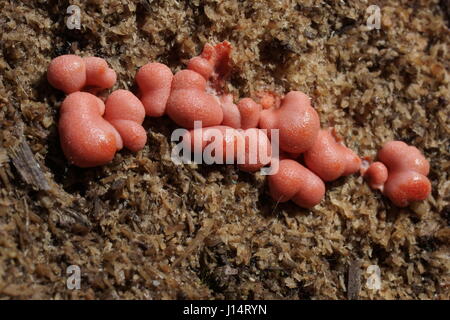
{"x": 376, "y": 174}
{"x": 401, "y": 173}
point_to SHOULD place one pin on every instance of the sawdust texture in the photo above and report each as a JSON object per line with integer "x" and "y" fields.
{"x": 142, "y": 227}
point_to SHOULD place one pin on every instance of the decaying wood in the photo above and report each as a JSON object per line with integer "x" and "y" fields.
{"x": 354, "y": 280}
{"x": 70, "y": 217}
{"x": 26, "y": 164}
{"x": 204, "y": 232}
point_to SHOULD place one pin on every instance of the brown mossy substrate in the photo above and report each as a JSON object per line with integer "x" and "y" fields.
{"x": 144, "y": 228}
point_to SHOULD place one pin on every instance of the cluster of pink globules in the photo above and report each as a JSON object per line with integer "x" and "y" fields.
{"x": 91, "y": 131}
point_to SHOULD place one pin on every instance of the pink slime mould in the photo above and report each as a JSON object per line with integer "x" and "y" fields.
{"x": 258, "y": 150}
{"x": 377, "y": 174}
{"x": 126, "y": 113}
{"x": 330, "y": 159}
{"x": 407, "y": 172}
{"x": 91, "y": 132}
{"x": 231, "y": 114}
{"x": 213, "y": 63}
{"x": 71, "y": 73}
{"x": 88, "y": 139}
{"x": 244, "y": 115}
{"x": 197, "y": 93}
{"x": 297, "y": 121}
{"x": 250, "y": 112}
{"x": 189, "y": 101}
{"x": 154, "y": 81}
{"x": 295, "y": 182}
{"x": 98, "y": 75}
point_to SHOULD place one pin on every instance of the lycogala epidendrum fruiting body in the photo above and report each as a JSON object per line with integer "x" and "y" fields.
{"x": 98, "y": 75}
{"x": 189, "y": 101}
{"x": 295, "y": 182}
{"x": 154, "y": 81}
{"x": 330, "y": 159}
{"x": 407, "y": 171}
{"x": 231, "y": 114}
{"x": 272, "y": 133}
{"x": 213, "y": 63}
{"x": 196, "y": 93}
{"x": 257, "y": 152}
{"x": 215, "y": 144}
{"x": 126, "y": 113}
{"x": 249, "y": 112}
{"x": 245, "y": 114}
{"x": 67, "y": 73}
{"x": 86, "y": 138}
{"x": 297, "y": 121}
{"x": 71, "y": 73}
{"x": 376, "y": 174}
